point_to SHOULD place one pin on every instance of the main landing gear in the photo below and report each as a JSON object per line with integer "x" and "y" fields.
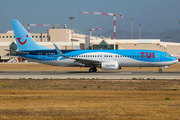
{"x": 160, "y": 70}
{"x": 92, "y": 69}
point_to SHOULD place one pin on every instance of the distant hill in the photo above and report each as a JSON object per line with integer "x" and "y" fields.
{"x": 122, "y": 34}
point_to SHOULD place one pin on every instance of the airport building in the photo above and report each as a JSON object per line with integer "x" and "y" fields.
{"x": 65, "y": 39}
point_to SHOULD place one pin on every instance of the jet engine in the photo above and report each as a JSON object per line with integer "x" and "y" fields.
{"x": 110, "y": 66}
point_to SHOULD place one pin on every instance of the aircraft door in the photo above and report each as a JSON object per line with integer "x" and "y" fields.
{"x": 40, "y": 56}
{"x": 157, "y": 56}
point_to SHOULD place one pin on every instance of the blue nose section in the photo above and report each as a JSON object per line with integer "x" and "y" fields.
{"x": 174, "y": 60}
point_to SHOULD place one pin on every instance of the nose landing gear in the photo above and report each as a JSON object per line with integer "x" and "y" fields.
{"x": 160, "y": 69}
{"x": 92, "y": 69}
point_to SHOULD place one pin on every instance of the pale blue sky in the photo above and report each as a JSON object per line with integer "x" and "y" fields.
{"x": 153, "y": 15}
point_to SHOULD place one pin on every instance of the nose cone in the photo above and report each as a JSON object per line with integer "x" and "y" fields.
{"x": 174, "y": 60}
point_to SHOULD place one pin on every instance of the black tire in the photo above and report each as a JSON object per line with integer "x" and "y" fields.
{"x": 90, "y": 70}
{"x": 94, "y": 69}
{"x": 160, "y": 71}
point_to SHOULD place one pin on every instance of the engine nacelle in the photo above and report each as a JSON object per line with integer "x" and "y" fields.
{"x": 110, "y": 66}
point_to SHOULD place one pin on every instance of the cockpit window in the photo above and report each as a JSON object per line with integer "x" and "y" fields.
{"x": 167, "y": 55}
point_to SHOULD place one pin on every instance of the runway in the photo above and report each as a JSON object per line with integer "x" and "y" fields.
{"x": 87, "y": 75}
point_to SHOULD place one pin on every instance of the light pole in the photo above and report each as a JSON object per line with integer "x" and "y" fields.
{"x": 139, "y": 31}
{"x": 71, "y": 18}
{"x": 168, "y": 38}
{"x": 131, "y": 28}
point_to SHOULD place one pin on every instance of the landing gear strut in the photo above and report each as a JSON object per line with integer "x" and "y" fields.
{"x": 92, "y": 69}
{"x": 160, "y": 70}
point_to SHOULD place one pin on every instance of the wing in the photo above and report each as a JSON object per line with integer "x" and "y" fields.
{"x": 80, "y": 60}
{"x": 87, "y": 62}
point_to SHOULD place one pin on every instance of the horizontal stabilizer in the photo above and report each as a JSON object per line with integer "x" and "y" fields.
{"x": 18, "y": 52}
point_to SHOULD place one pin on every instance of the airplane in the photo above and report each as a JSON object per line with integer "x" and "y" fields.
{"x": 104, "y": 59}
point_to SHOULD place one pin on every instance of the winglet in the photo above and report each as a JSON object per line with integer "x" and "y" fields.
{"x": 78, "y": 48}
{"x": 57, "y": 50}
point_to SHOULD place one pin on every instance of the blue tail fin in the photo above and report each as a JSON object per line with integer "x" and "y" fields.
{"x": 24, "y": 41}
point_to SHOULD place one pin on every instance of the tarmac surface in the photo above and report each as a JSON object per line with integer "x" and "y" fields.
{"x": 87, "y": 75}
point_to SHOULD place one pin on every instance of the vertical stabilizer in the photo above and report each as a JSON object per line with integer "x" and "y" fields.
{"x": 24, "y": 41}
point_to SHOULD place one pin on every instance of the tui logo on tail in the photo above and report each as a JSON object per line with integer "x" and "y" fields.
{"x": 22, "y": 43}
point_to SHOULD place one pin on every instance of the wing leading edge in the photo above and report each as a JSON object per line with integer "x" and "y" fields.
{"x": 83, "y": 61}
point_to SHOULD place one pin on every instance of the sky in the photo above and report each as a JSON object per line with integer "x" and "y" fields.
{"x": 154, "y": 15}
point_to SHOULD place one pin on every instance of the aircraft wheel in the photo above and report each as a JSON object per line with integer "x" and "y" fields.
{"x": 160, "y": 71}
{"x": 94, "y": 70}
{"x": 91, "y": 70}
